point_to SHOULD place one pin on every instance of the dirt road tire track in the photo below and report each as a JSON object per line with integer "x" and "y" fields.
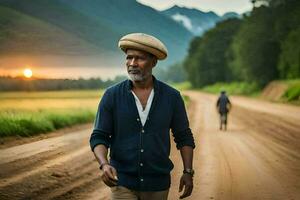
{"x": 57, "y": 173}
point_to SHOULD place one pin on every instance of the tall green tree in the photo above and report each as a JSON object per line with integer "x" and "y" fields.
{"x": 191, "y": 64}
{"x": 288, "y": 33}
{"x": 206, "y": 62}
{"x": 255, "y": 49}
{"x": 289, "y": 65}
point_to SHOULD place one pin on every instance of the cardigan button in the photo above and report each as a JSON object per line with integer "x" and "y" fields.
{"x": 143, "y": 131}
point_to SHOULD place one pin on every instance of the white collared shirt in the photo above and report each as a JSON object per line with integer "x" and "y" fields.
{"x": 143, "y": 113}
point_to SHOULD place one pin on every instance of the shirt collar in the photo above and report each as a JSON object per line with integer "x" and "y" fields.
{"x": 129, "y": 85}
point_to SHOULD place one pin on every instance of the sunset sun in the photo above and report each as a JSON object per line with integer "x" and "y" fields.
{"x": 27, "y": 73}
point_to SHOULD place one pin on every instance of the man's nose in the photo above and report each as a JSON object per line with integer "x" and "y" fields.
{"x": 133, "y": 62}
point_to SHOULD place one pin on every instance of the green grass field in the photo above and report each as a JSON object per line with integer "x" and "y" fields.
{"x": 30, "y": 113}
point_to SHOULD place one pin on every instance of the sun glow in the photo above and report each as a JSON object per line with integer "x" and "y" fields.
{"x": 27, "y": 73}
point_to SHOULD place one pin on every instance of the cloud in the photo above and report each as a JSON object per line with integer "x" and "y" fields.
{"x": 184, "y": 20}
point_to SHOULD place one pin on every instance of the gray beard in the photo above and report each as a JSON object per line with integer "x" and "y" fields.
{"x": 136, "y": 77}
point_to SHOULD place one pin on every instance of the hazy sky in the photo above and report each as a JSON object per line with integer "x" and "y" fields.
{"x": 218, "y": 6}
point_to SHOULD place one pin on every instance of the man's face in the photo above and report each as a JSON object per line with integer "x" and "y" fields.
{"x": 139, "y": 64}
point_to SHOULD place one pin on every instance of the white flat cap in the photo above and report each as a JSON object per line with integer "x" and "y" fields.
{"x": 144, "y": 42}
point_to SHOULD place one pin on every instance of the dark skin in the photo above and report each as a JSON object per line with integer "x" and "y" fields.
{"x": 186, "y": 180}
{"x": 139, "y": 66}
{"x": 109, "y": 176}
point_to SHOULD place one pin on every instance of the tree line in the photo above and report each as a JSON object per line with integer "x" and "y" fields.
{"x": 260, "y": 47}
{"x": 22, "y": 84}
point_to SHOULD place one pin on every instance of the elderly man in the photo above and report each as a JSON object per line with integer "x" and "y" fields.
{"x": 223, "y": 106}
{"x": 134, "y": 119}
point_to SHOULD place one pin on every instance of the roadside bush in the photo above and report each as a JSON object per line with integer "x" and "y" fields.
{"x": 293, "y": 92}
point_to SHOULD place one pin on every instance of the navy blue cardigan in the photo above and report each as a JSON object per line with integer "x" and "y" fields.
{"x": 140, "y": 153}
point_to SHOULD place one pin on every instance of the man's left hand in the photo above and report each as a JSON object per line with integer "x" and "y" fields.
{"x": 186, "y": 181}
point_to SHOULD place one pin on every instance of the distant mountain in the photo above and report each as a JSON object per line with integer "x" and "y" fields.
{"x": 196, "y": 21}
{"x": 89, "y": 27}
{"x": 23, "y": 32}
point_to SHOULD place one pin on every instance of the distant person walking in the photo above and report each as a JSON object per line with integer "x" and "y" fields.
{"x": 223, "y": 106}
{"x": 133, "y": 121}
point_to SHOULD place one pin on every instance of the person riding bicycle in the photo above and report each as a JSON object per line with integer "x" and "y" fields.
{"x": 223, "y": 106}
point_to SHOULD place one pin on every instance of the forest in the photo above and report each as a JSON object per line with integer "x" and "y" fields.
{"x": 261, "y": 46}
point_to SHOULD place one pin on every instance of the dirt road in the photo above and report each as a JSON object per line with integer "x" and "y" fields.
{"x": 257, "y": 158}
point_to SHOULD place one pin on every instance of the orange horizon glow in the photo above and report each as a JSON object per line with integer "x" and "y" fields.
{"x": 27, "y": 73}
{"x": 64, "y": 72}
{"x": 60, "y": 67}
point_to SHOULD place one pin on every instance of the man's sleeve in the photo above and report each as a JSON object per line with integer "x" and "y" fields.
{"x": 180, "y": 124}
{"x": 228, "y": 101}
{"x": 103, "y": 125}
{"x": 218, "y": 102}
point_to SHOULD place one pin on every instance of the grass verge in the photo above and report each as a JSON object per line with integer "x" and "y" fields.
{"x": 28, "y": 123}
{"x": 182, "y": 86}
{"x": 234, "y": 88}
{"x": 292, "y": 93}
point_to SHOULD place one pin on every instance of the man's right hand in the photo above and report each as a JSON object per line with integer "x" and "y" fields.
{"x": 109, "y": 175}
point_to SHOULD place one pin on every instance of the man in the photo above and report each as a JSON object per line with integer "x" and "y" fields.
{"x": 134, "y": 119}
{"x": 223, "y": 106}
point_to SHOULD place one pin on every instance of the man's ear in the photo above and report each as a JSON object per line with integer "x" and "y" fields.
{"x": 154, "y": 62}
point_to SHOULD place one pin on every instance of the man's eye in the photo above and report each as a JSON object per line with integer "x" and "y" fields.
{"x": 141, "y": 58}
